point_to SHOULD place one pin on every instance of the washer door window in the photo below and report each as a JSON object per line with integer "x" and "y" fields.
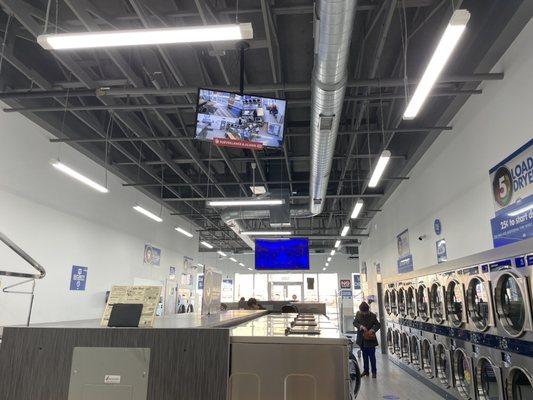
{"x": 389, "y": 341}
{"x": 386, "y": 300}
{"x": 436, "y": 303}
{"x": 422, "y": 303}
{"x": 405, "y": 348}
{"x": 519, "y": 385}
{"x": 410, "y": 302}
{"x": 487, "y": 382}
{"x": 478, "y": 303}
{"x": 443, "y": 369}
{"x": 396, "y": 343}
{"x": 401, "y": 302}
{"x": 454, "y": 303}
{"x": 394, "y": 302}
{"x": 510, "y": 304}
{"x": 463, "y": 373}
{"x": 425, "y": 353}
{"x": 414, "y": 346}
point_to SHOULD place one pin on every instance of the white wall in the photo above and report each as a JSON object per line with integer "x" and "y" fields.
{"x": 61, "y": 223}
{"x": 451, "y": 181}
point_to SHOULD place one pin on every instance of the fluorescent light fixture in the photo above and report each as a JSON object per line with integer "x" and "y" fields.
{"x": 327, "y": 264}
{"x": 139, "y": 37}
{"x": 241, "y": 264}
{"x": 222, "y": 253}
{"x": 205, "y": 244}
{"x": 267, "y": 233}
{"x": 520, "y": 211}
{"x": 79, "y": 177}
{"x": 345, "y": 230}
{"x": 249, "y": 269}
{"x": 357, "y": 209}
{"x": 337, "y": 244}
{"x": 332, "y": 253}
{"x": 200, "y": 265}
{"x": 180, "y": 230}
{"x": 148, "y": 213}
{"x": 323, "y": 269}
{"x": 232, "y": 259}
{"x": 250, "y": 202}
{"x": 329, "y": 259}
{"x": 258, "y": 190}
{"x": 442, "y": 53}
{"x": 384, "y": 159}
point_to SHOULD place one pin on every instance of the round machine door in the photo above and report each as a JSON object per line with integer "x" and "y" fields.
{"x": 394, "y": 302}
{"x": 436, "y": 303}
{"x": 390, "y": 345}
{"x": 487, "y": 380}
{"x": 425, "y": 358}
{"x": 410, "y": 302}
{"x": 478, "y": 302}
{"x": 404, "y": 342}
{"x": 396, "y": 343}
{"x": 422, "y": 302}
{"x": 386, "y": 301}
{"x": 454, "y": 303}
{"x": 443, "y": 365}
{"x": 510, "y": 298}
{"x": 401, "y": 302}
{"x": 519, "y": 385}
{"x": 463, "y": 373}
{"x": 414, "y": 350}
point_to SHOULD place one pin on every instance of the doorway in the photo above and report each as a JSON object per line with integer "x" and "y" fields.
{"x": 284, "y": 291}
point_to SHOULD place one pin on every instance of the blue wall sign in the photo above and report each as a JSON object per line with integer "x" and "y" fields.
{"x": 357, "y": 282}
{"x": 405, "y": 264}
{"x": 78, "y": 278}
{"x": 346, "y": 293}
{"x": 437, "y": 225}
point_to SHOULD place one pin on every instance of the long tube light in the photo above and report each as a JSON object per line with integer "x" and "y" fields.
{"x": 384, "y": 159}
{"x": 183, "y": 231}
{"x": 222, "y": 253}
{"x": 267, "y": 233}
{"x": 442, "y": 53}
{"x": 241, "y": 264}
{"x": 332, "y": 253}
{"x": 148, "y": 213}
{"x": 337, "y": 244}
{"x": 206, "y": 244}
{"x": 250, "y": 202}
{"x": 138, "y": 37}
{"x": 357, "y": 208}
{"x": 345, "y": 230}
{"x": 520, "y": 211}
{"x": 329, "y": 259}
{"x": 233, "y": 259}
{"x": 79, "y": 177}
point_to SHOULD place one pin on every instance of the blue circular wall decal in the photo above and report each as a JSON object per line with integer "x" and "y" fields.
{"x": 438, "y": 226}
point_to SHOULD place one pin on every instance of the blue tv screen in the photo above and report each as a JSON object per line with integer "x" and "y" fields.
{"x": 282, "y": 254}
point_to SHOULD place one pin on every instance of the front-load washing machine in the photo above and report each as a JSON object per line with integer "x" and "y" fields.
{"x": 479, "y": 303}
{"x": 455, "y": 300}
{"x": 394, "y": 303}
{"x": 436, "y": 301}
{"x": 390, "y": 346}
{"x": 402, "y": 307}
{"x": 404, "y": 348}
{"x": 386, "y": 299}
{"x": 443, "y": 363}
{"x": 414, "y": 351}
{"x": 488, "y": 373}
{"x": 518, "y": 377}
{"x": 410, "y": 302}
{"x": 396, "y": 343}
{"x": 422, "y": 299}
{"x": 463, "y": 371}
{"x": 512, "y": 299}
{"x": 427, "y": 355}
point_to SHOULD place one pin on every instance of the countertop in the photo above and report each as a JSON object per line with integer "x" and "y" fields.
{"x": 271, "y": 329}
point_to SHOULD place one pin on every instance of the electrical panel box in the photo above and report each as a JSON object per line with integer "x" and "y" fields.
{"x": 109, "y": 373}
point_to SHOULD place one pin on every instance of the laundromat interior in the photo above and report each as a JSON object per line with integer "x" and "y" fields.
{"x": 266, "y": 199}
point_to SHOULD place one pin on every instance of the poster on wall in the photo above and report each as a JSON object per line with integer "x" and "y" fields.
{"x": 200, "y": 281}
{"x": 227, "y": 290}
{"x": 78, "y": 278}
{"x": 442, "y": 255}
{"x": 512, "y": 192}
{"x": 356, "y": 282}
{"x": 152, "y": 255}
{"x": 405, "y": 259}
{"x": 187, "y": 263}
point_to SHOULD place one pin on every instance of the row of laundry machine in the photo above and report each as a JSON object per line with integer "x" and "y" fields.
{"x": 469, "y": 331}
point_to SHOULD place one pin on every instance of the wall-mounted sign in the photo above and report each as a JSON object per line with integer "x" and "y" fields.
{"x": 200, "y": 281}
{"x": 357, "y": 282}
{"x": 512, "y": 191}
{"x": 152, "y": 255}
{"x": 405, "y": 259}
{"x": 78, "y": 278}
{"x": 239, "y": 144}
{"x": 345, "y": 284}
{"x": 172, "y": 273}
{"x": 346, "y": 294}
{"x": 437, "y": 226}
{"x": 405, "y": 264}
{"x": 442, "y": 255}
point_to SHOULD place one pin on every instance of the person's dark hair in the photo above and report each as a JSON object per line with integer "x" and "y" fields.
{"x": 364, "y": 307}
{"x": 251, "y": 302}
{"x": 242, "y": 299}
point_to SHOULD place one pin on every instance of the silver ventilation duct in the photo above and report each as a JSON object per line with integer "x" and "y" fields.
{"x": 333, "y": 32}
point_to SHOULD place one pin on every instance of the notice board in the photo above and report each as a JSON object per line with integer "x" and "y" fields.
{"x": 148, "y": 296}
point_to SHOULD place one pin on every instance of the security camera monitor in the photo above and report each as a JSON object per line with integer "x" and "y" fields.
{"x": 282, "y": 254}
{"x": 240, "y": 118}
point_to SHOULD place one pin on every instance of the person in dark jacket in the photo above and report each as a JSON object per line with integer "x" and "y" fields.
{"x": 242, "y": 304}
{"x": 367, "y": 325}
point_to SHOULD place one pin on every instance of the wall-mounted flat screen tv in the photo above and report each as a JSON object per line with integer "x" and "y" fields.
{"x": 232, "y": 116}
{"x": 282, "y": 254}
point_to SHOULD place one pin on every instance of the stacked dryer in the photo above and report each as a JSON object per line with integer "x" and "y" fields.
{"x": 469, "y": 331}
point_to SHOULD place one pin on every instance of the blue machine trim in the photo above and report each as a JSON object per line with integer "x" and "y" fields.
{"x": 512, "y": 345}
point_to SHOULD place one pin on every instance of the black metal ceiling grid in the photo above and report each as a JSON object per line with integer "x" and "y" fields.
{"x": 144, "y": 118}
